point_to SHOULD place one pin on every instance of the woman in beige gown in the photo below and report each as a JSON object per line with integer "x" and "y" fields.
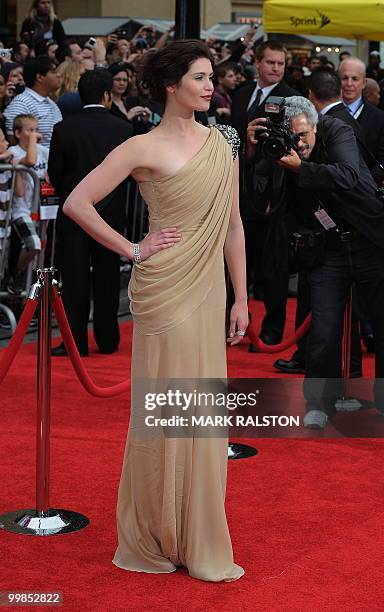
{"x": 171, "y": 498}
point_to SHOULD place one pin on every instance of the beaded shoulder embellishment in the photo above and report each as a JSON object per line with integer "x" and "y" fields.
{"x": 232, "y": 137}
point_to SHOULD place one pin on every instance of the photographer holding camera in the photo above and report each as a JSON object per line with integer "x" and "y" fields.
{"x": 308, "y": 175}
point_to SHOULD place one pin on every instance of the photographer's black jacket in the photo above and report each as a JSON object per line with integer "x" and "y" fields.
{"x": 335, "y": 178}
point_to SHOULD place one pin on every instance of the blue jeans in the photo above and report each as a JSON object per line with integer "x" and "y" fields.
{"x": 356, "y": 261}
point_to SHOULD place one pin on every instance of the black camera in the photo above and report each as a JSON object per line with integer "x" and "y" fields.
{"x": 279, "y": 140}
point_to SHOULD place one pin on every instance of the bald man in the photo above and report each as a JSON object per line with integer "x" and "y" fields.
{"x": 371, "y": 119}
{"x": 371, "y": 92}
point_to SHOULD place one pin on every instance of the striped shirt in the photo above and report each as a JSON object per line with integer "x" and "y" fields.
{"x": 5, "y": 197}
{"x": 43, "y": 108}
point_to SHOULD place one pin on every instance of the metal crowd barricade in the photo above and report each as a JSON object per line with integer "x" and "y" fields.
{"x": 135, "y": 228}
{"x": 137, "y": 213}
{"x": 4, "y": 246}
{"x": 5, "y": 242}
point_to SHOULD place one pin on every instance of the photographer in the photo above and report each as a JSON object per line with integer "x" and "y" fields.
{"x": 324, "y": 91}
{"x": 13, "y": 75}
{"x": 321, "y": 189}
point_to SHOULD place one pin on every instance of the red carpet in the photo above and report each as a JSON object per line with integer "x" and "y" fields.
{"x": 306, "y": 516}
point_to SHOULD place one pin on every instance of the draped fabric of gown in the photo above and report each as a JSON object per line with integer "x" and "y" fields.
{"x": 170, "y": 509}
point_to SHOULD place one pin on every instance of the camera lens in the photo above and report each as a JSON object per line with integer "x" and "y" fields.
{"x": 274, "y": 148}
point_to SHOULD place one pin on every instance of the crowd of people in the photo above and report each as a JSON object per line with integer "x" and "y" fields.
{"x": 39, "y": 87}
{"x": 46, "y": 81}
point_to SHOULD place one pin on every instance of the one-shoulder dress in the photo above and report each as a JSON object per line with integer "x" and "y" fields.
{"x": 170, "y": 509}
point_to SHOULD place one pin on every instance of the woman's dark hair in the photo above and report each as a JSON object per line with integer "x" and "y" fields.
{"x": 93, "y": 84}
{"x": 7, "y": 68}
{"x": 117, "y": 67}
{"x": 168, "y": 65}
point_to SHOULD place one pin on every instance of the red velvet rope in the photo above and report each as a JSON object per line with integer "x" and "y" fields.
{"x": 73, "y": 353}
{"x": 17, "y": 338}
{"x": 114, "y": 390}
{"x": 276, "y": 348}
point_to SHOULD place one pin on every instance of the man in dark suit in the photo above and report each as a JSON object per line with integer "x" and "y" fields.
{"x": 328, "y": 185}
{"x": 369, "y": 117}
{"x": 79, "y": 144}
{"x": 248, "y": 103}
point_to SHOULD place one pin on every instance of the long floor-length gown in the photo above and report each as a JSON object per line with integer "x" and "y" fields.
{"x": 170, "y": 509}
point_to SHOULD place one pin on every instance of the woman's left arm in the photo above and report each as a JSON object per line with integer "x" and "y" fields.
{"x": 234, "y": 252}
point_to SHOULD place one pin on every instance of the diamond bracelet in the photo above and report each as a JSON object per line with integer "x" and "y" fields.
{"x": 136, "y": 252}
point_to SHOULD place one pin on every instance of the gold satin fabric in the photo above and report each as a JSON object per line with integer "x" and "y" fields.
{"x": 170, "y": 509}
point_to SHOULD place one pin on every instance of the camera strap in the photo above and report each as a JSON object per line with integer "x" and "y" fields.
{"x": 371, "y": 155}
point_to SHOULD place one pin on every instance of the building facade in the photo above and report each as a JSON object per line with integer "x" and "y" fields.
{"x": 12, "y": 12}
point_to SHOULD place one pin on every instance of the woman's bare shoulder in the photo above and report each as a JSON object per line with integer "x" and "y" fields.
{"x": 140, "y": 145}
{"x": 144, "y": 140}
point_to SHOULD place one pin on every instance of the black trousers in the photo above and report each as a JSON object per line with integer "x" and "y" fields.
{"x": 356, "y": 261}
{"x": 88, "y": 270}
{"x": 303, "y": 308}
{"x": 274, "y": 289}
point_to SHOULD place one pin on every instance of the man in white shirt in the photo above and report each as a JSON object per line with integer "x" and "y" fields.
{"x": 41, "y": 80}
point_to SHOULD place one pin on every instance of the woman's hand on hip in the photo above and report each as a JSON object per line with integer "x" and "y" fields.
{"x": 158, "y": 241}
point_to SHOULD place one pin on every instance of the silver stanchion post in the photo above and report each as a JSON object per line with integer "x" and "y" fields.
{"x": 43, "y": 396}
{"x": 43, "y": 520}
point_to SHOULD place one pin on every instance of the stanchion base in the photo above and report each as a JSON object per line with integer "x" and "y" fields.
{"x": 240, "y": 451}
{"x": 348, "y": 404}
{"x": 55, "y": 522}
